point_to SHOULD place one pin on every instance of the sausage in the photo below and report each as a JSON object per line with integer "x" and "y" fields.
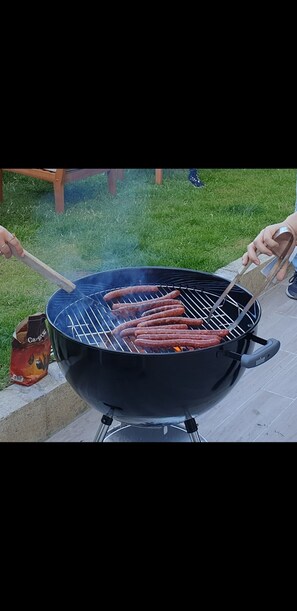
{"x": 134, "y": 322}
{"x": 163, "y": 308}
{"x": 172, "y": 343}
{"x": 134, "y": 308}
{"x": 125, "y": 325}
{"x": 147, "y": 303}
{"x": 176, "y": 337}
{"x": 179, "y": 325}
{"x": 161, "y": 328}
{"x": 178, "y": 311}
{"x": 207, "y": 332}
{"x": 127, "y": 290}
{"x": 221, "y": 332}
{"x": 171, "y": 313}
{"x": 190, "y": 322}
{"x": 194, "y": 322}
{"x": 171, "y": 295}
{"x": 128, "y": 331}
{"x": 168, "y": 320}
{"x": 133, "y": 330}
{"x": 174, "y": 332}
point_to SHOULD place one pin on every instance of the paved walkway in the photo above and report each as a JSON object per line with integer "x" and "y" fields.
{"x": 263, "y": 404}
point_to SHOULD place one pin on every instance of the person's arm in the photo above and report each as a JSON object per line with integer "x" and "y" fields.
{"x": 7, "y": 240}
{"x": 264, "y": 241}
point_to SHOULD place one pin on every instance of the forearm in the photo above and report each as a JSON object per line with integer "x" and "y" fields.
{"x": 291, "y": 222}
{"x": 264, "y": 242}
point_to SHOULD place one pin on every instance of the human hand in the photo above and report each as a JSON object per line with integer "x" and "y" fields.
{"x": 264, "y": 243}
{"x": 261, "y": 244}
{"x": 8, "y": 240}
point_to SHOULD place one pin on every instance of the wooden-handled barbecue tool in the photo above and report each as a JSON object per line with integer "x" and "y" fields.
{"x": 45, "y": 270}
{"x": 50, "y": 274}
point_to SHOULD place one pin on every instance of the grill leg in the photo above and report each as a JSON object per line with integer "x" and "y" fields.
{"x": 106, "y": 422}
{"x": 192, "y": 430}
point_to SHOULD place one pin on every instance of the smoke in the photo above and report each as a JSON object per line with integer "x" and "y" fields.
{"x": 98, "y": 231}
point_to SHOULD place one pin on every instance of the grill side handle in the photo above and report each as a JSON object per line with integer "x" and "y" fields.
{"x": 269, "y": 348}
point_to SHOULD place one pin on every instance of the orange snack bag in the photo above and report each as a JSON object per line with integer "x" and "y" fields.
{"x": 30, "y": 352}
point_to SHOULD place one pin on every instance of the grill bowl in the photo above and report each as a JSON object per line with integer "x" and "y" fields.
{"x": 150, "y": 389}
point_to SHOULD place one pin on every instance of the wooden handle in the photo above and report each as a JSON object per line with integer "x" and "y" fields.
{"x": 45, "y": 270}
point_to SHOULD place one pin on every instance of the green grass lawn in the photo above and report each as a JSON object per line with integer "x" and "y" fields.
{"x": 172, "y": 225}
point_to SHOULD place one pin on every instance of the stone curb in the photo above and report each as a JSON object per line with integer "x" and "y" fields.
{"x": 34, "y": 413}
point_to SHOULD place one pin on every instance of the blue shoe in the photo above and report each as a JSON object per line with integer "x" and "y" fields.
{"x": 292, "y": 288}
{"x": 195, "y": 181}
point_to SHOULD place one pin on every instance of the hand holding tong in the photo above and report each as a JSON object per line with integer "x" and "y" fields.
{"x": 286, "y": 240}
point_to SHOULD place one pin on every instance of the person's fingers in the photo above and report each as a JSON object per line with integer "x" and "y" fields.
{"x": 282, "y": 273}
{"x": 9, "y": 241}
{"x": 13, "y": 241}
{"x": 262, "y": 243}
{"x": 252, "y": 253}
{"x": 268, "y": 241}
{"x": 266, "y": 235}
{"x": 5, "y": 250}
{"x": 245, "y": 259}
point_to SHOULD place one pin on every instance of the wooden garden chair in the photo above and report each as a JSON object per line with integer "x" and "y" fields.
{"x": 60, "y": 177}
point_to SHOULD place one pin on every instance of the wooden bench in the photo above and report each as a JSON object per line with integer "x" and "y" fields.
{"x": 60, "y": 177}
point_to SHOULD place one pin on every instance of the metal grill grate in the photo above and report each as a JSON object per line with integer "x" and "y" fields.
{"x": 93, "y": 325}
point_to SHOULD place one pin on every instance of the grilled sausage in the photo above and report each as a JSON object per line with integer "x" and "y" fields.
{"x": 176, "y": 337}
{"x": 175, "y": 316}
{"x": 167, "y": 320}
{"x": 128, "y": 331}
{"x": 178, "y": 311}
{"x": 178, "y": 341}
{"x": 171, "y": 295}
{"x": 127, "y": 290}
{"x": 203, "y": 332}
{"x": 190, "y": 322}
{"x": 194, "y": 322}
{"x": 132, "y": 330}
{"x": 160, "y": 328}
{"x": 162, "y": 308}
{"x": 220, "y": 332}
{"x": 125, "y": 325}
{"x": 147, "y": 303}
{"x": 172, "y": 331}
{"x": 133, "y": 308}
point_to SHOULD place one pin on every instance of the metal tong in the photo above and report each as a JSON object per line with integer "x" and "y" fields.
{"x": 286, "y": 243}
